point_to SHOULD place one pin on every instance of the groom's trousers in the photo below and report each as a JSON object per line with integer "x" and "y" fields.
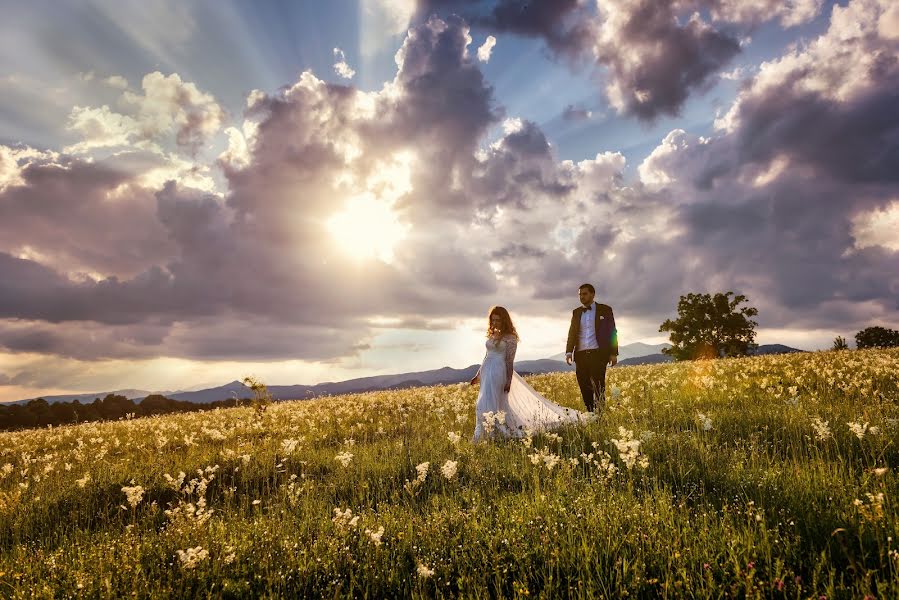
{"x": 590, "y": 368}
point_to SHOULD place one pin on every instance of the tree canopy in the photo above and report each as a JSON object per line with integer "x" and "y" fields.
{"x": 877, "y": 337}
{"x": 710, "y": 327}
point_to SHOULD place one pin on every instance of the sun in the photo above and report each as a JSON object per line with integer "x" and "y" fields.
{"x": 367, "y": 228}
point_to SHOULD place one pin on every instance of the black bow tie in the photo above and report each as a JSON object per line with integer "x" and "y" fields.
{"x": 586, "y": 308}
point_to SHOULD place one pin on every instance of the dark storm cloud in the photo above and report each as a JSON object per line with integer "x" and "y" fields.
{"x": 79, "y": 195}
{"x": 656, "y": 53}
{"x": 654, "y": 62}
{"x": 853, "y": 140}
{"x": 562, "y": 24}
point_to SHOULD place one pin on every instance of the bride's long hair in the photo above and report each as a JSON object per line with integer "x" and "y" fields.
{"x": 506, "y": 327}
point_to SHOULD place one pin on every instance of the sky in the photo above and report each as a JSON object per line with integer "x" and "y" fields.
{"x": 194, "y": 192}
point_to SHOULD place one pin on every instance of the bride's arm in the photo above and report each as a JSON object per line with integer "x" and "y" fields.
{"x": 511, "y": 347}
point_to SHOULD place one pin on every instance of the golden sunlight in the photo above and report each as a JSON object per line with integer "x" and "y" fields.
{"x": 367, "y": 228}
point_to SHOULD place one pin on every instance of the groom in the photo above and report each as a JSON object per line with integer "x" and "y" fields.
{"x": 593, "y": 344}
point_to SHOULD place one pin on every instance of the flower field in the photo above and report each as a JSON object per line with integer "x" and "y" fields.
{"x": 757, "y": 477}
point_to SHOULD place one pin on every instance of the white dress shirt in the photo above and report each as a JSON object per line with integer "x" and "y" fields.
{"x": 586, "y": 339}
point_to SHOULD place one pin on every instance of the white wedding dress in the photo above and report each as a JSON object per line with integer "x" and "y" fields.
{"x": 520, "y": 412}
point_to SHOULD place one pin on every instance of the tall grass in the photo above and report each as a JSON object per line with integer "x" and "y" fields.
{"x": 761, "y": 477}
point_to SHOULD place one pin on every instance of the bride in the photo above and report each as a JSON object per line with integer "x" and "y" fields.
{"x": 506, "y": 404}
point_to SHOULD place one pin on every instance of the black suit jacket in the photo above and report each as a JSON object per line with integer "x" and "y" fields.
{"x": 606, "y": 334}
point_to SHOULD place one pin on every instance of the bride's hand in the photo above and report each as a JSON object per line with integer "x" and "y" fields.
{"x": 474, "y": 380}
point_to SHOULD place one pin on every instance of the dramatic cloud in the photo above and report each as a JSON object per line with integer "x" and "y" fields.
{"x": 831, "y": 104}
{"x": 653, "y": 53}
{"x": 564, "y": 25}
{"x": 280, "y": 261}
{"x": 168, "y": 105}
{"x": 784, "y": 200}
{"x": 653, "y": 61}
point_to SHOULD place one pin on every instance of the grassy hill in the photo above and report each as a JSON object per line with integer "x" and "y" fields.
{"x": 769, "y": 476}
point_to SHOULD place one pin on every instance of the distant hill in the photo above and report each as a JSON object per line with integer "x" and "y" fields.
{"x": 627, "y": 351}
{"x": 653, "y": 359}
{"x": 630, "y": 354}
{"x": 650, "y": 359}
{"x": 131, "y": 394}
{"x": 774, "y": 349}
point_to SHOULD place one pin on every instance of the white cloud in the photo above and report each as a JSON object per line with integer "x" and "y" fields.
{"x": 100, "y": 128}
{"x": 117, "y": 82}
{"x": 340, "y": 66}
{"x": 878, "y": 227}
{"x": 486, "y": 49}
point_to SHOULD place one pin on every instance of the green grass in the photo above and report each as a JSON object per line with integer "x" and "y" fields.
{"x": 757, "y": 505}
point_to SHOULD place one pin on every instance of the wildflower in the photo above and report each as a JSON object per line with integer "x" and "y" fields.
{"x": 375, "y": 536}
{"x": 629, "y": 449}
{"x": 424, "y": 571}
{"x": 422, "y": 470}
{"x": 288, "y": 446}
{"x": 546, "y": 457}
{"x": 858, "y": 429}
{"x": 230, "y": 557}
{"x": 872, "y": 510}
{"x": 822, "y": 429}
{"x": 84, "y": 480}
{"x": 134, "y": 494}
{"x": 704, "y": 421}
{"x": 345, "y": 518}
{"x": 449, "y": 469}
{"x": 454, "y": 437}
{"x": 175, "y": 483}
{"x": 344, "y": 458}
{"x": 192, "y": 557}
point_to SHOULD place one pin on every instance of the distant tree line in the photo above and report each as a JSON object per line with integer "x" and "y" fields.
{"x": 40, "y": 413}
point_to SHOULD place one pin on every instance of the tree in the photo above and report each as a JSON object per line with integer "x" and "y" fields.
{"x": 877, "y": 337}
{"x": 839, "y": 343}
{"x": 710, "y": 326}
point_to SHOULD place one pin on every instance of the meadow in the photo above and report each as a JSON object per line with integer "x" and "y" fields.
{"x": 756, "y": 477}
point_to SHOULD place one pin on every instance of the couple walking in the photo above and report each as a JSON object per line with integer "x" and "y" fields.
{"x": 508, "y": 406}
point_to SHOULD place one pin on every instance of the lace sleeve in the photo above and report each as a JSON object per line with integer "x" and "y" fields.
{"x": 511, "y": 347}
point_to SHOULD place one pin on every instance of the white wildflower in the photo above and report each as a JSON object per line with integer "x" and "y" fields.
{"x": 629, "y": 449}
{"x": 192, "y": 557}
{"x": 344, "y": 458}
{"x": 454, "y": 437}
{"x": 858, "y": 429}
{"x": 822, "y": 429}
{"x": 424, "y": 571}
{"x": 449, "y": 468}
{"x": 704, "y": 421}
{"x": 134, "y": 494}
{"x": 345, "y": 518}
{"x": 288, "y": 446}
{"x": 84, "y": 480}
{"x": 375, "y": 536}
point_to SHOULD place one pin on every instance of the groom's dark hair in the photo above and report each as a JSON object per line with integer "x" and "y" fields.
{"x": 589, "y": 287}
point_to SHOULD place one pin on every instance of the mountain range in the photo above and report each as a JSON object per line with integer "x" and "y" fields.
{"x": 630, "y": 354}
